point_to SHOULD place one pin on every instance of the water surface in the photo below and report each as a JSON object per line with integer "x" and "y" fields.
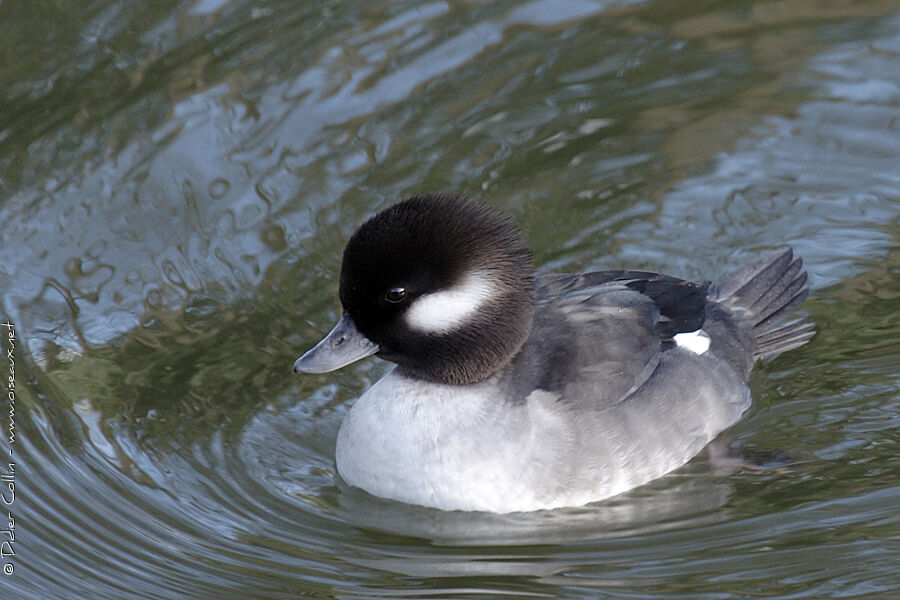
{"x": 177, "y": 180}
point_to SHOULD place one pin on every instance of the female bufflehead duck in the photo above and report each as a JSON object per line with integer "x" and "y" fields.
{"x": 518, "y": 392}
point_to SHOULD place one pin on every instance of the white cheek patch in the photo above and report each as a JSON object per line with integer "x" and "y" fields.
{"x": 695, "y": 341}
{"x": 448, "y": 309}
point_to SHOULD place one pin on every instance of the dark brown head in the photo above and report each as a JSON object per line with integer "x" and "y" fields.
{"x": 440, "y": 285}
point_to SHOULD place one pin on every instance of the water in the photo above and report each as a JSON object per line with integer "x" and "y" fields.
{"x": 177, "y": 181}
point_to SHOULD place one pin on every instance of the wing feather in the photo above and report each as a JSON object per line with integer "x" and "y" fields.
{"x": 598, "y": 336}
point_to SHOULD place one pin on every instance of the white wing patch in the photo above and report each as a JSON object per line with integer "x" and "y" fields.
{"x": 444, "y": 311}
{"x": 695, "y": 341}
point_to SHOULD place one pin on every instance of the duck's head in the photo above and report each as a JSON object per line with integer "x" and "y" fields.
{"x": 438, "y": 284}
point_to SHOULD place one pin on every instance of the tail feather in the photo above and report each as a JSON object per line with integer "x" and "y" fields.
{"x": 793, "y": 336}
{"x": 749, "y": 283}
{"x": 785, "y": 309}
{"x": 775, "y": 297}
{"x": 781, "y": 331}
{"x": 760, "y": 295}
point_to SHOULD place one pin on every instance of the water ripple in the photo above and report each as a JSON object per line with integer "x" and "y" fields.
{"x": 177, "y": 183}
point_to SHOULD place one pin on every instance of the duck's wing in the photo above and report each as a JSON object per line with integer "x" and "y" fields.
{"x": 681, "y": 303}
{"x": 597, "y": 337}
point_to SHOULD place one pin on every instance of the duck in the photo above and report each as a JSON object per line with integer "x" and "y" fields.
{"x": 512, "y": 391}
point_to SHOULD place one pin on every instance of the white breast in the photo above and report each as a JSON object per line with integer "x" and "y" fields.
{"x": 450, "y": 447}
{"x": 465, "y": 448}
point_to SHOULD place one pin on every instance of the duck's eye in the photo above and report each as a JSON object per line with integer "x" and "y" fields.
{"x": 395, "y": 295}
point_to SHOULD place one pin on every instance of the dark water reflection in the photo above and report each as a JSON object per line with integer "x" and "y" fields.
{"x": 177, "y": 180}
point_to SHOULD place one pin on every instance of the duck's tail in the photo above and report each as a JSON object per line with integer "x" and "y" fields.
{"x": 760, "y": 295}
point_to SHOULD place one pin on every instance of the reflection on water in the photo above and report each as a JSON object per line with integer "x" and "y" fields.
{"x": 688, "y": 501}
{"x": 177, "y": 180}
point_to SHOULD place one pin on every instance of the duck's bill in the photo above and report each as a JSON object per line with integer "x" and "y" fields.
{"x": 343, "y": 345}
